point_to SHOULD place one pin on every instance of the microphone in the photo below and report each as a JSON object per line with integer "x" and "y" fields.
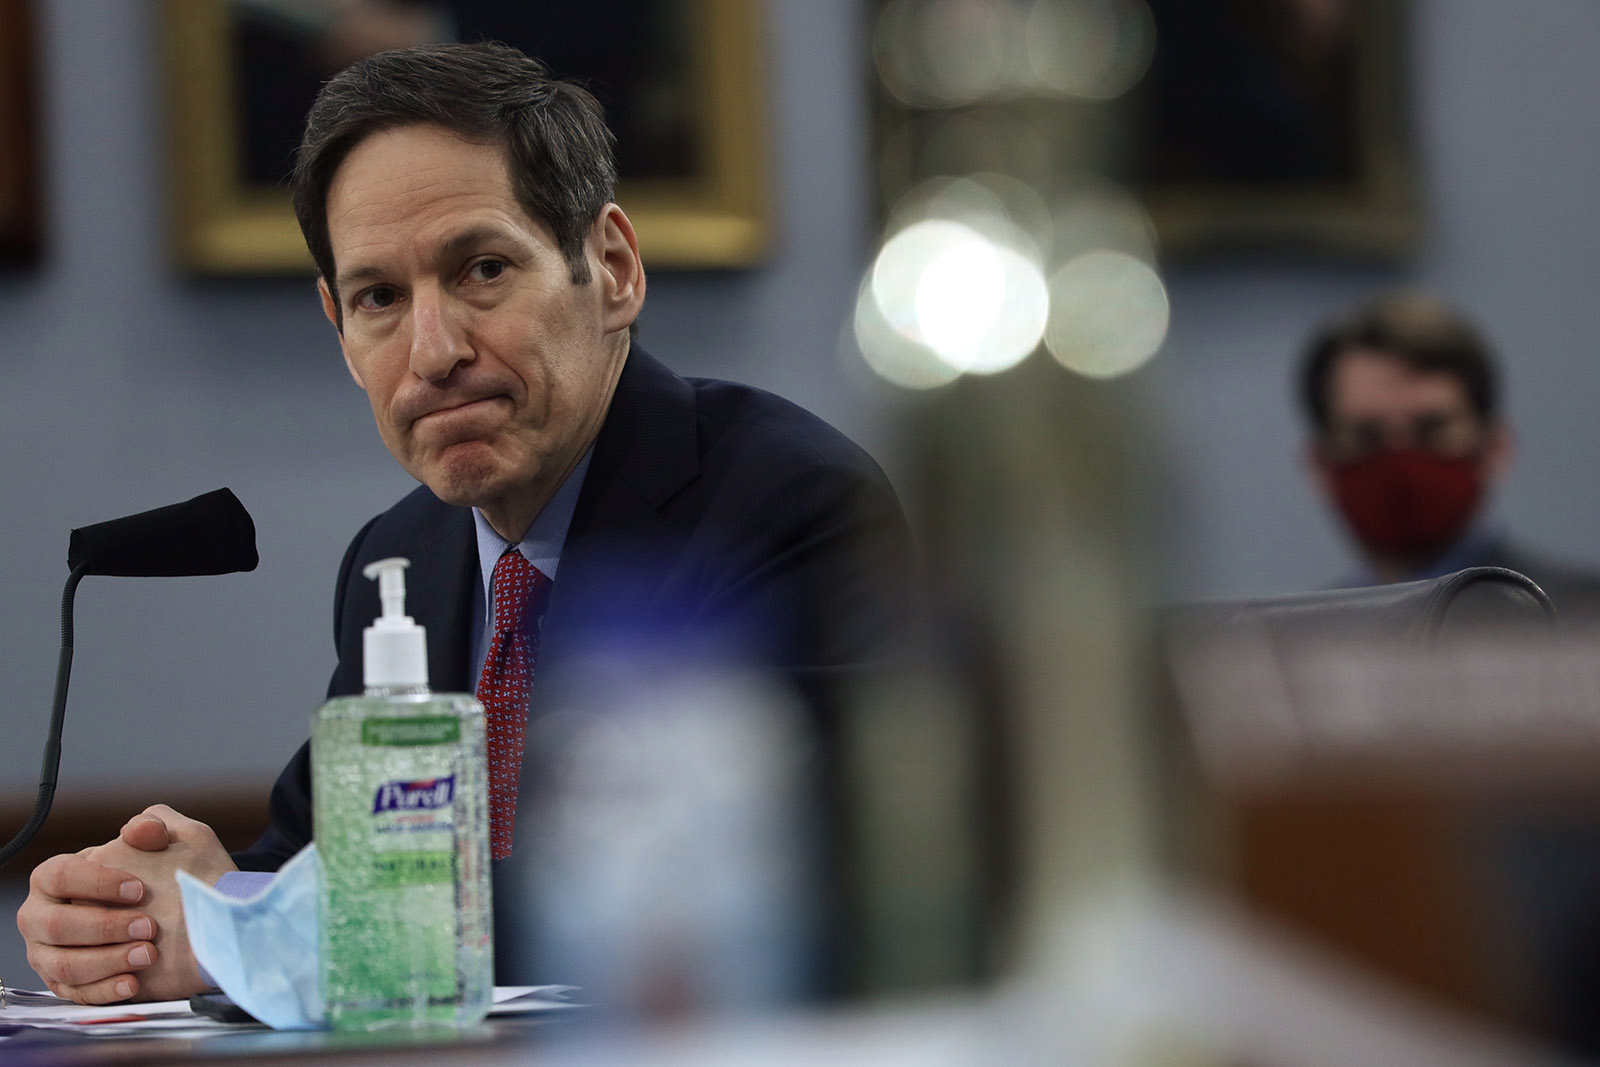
{"x": 210, "y": 534}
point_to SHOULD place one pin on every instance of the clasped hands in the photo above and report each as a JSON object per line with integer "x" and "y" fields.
{"x": 106, "y": 924}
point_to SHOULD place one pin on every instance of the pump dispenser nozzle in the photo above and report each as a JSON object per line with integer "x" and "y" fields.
{"x": 394, "y": 647}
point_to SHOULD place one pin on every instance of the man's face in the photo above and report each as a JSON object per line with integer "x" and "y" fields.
{"x": 1377, "y": 403}
{"x": 488, "y": 370}
{"x": 1404, "y": 459}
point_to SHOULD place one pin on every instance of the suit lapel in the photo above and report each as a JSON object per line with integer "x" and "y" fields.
{"x": 647, "y": 443}
{"x": 442, "y": 593}
{"x": 645, "y": 453}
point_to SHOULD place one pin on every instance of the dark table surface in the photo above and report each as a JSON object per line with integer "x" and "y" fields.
{"x": 507, "y": 1039}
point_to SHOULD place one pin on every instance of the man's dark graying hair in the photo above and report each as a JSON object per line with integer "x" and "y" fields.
{"x": 558, "y": 150}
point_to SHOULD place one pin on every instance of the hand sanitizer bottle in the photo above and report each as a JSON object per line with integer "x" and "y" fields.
{"x": 401, "y": 823}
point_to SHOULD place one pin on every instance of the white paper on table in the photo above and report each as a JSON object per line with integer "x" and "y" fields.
{"x": 517, "y": 999}
{"x": 165, "y": 1017}
{"x": 49, "y": 1012}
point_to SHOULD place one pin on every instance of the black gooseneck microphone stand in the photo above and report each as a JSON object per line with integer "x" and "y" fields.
{"x": 58, "y": 717}
{"x": 210, "y": 534}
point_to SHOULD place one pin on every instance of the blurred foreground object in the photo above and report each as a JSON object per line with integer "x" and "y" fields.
{"x": 669, "y": 839}
{"x": 1026, "y": 487}
{"x": 1405, "y": 775}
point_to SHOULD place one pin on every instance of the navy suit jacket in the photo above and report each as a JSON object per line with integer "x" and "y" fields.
{"x": 708, "y": 507}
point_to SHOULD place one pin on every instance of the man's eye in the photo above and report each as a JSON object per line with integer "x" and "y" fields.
{"x": 486, "y": 270}
{"x": 376, "y": 299}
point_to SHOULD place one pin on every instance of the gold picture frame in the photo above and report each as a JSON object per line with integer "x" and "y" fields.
{"x": 1366, "y": 208}
{"x": 716, "y": 215}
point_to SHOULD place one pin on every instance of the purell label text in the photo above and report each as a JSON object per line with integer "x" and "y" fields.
{"x": 429, "y": 794}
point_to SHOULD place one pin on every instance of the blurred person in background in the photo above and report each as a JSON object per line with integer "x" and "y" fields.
{"x": 1402, "y": 396}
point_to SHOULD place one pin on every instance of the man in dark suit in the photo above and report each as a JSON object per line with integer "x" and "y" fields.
{"x": 484, "y": 286}
{"x": 1408, "y": 442}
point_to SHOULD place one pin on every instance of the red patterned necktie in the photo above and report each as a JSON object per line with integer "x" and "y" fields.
{"x": 520, "y": 594}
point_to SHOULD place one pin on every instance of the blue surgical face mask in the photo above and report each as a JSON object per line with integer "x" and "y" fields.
{"x": 262, "y": 950}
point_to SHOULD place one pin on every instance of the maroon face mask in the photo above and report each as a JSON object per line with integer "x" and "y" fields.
{"x": 1408, "y": 504}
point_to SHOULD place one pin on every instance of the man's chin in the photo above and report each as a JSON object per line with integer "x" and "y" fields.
{"x": 466, "y": 492}
{"x": 467, "y": 478}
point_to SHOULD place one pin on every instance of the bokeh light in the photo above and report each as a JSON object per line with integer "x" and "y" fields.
{"x": 1006, "y": 211}
{"x": 1097, "y": 216}
{"x": 981, "y": 306}
{"x": 977, "y": 139}
{"x": 1108, "y": 314}
{"x": 892, "y": 355}
{"x": 951, "y": 53}
{"x": 944, "y": 53}
{"x": 897, "y": 272}
{"x": 954, "y": 299}
{"x": 958, "y": 288}
{"x": 1095, "y": 49}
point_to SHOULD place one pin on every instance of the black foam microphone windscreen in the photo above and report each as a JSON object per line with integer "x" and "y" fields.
{"x": 211, "y": 534}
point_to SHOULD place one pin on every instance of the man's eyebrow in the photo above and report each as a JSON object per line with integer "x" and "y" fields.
{"x": 346, "y": 278}
{"x": 483, "y": 234}
{"x": 453, "y": 245}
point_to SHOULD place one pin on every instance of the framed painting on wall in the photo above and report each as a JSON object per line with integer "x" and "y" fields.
{"x": 1278, "y": 124}
{"x": 680, "y": 80}
{"x": 20, "y": 208}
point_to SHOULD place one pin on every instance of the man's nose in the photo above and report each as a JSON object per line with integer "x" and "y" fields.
{"x": 438, "y": 338}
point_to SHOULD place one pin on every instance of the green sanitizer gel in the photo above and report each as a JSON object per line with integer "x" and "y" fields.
{"x": 401, "y": 822}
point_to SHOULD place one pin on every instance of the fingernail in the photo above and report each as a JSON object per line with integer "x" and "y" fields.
{"x": 139, "y": 957}
{"x": 131, "y": 890}
{"x": 124, "y": 988}
{"x": 140, "y": 930}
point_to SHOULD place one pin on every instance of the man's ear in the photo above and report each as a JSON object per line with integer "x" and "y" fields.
{"x": 621, "y": 271}
{"x": 330, "y": 308}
